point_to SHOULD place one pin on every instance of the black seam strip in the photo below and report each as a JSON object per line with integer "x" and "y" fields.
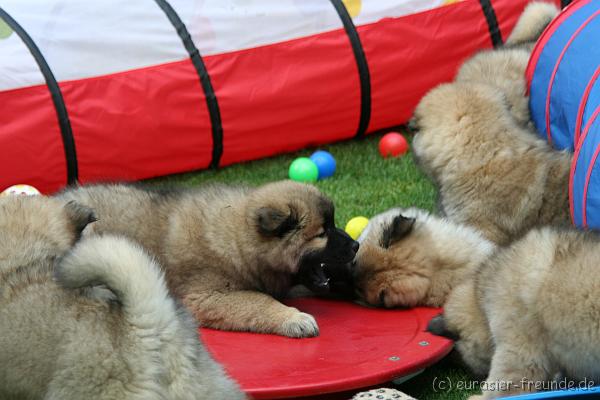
{"x": 363, "y": 67}
{"x": 492, "y": 21}
{"x": 56, "y": 94}
{"x": 564, "y": 3}
{"x": 207, "y": 87}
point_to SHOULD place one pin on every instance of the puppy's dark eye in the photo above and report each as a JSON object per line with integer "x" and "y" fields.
{"x": 321, "y": 234}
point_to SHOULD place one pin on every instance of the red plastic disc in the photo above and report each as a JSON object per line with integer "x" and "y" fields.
{"x": 357, "y": 347}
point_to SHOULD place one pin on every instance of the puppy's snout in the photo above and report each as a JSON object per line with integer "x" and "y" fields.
{"x": 355, "y": 247}
{"x": 439, "y": 327}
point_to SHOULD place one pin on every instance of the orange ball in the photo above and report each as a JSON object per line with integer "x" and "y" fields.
{"x": 393, "y": 144}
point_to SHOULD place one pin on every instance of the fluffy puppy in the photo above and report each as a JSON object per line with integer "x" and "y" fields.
{"x": 228, "y": 251}
{"x": 408, "y": 257}
{"x": 532, "y": 22}
{"x": 504, "y": 68}
{"x": 489, "y": 173}
{"x": 530, "y": 312}
{"x": 92, "y": 321}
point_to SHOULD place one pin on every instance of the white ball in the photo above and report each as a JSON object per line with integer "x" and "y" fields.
{"x": 20, "y": 190}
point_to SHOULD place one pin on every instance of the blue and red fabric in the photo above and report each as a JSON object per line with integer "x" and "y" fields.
{"x": 564, "y": 85}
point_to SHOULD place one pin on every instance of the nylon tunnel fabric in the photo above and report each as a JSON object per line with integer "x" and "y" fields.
{"x": 564, "y": 83}
{"x": 136, "y": 106}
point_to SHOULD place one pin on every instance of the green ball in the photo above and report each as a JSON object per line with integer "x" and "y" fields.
{"x": 303, "y": 169}
{"x": 5, "y": 30}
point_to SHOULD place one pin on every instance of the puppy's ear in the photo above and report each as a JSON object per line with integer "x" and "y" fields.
{"x": 400, "y": 227}
{"x": 80, "y": 216}
{"x": 273, "y": 222}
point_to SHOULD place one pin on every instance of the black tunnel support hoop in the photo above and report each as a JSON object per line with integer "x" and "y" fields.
{"x": 209, "y": 92}
{"x": 363, "y": 67}
{"x": 55, "y": 93}
{"x": 492, "y": 22}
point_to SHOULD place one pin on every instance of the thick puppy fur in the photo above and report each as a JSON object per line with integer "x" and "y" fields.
{"x": 408, "y": 257}
{"x": 228, "y": 251}
{"x": 489, "y": 173}
{"x": 535, "y": 18}
{"x": 529, "y": 312}
{"x": 91, "y": 319}
{"x": 504, "y": 68}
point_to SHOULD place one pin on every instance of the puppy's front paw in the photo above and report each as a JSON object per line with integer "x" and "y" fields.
{"x": 299, "y": 325}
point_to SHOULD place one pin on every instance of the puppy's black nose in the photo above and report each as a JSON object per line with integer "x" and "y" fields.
{"x": 355, "y": 246}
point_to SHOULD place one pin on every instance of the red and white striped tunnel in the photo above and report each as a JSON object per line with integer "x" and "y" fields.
{"x": 113, "y": 90}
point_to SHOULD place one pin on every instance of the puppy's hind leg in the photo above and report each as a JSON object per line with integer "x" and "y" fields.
{"x": 516, "y": 368}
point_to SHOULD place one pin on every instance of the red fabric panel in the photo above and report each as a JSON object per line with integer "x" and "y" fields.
{"x": 286, "y": 96}
{"x": 273, "y": 99}
{"x": 407, "y": 56}
{"x": 139, "y": 124}
{"x": 31, "y": 149}
{"x": 508, "y": 13}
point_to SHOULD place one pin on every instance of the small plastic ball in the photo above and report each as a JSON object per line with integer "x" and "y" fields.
{"x": 20, "y": 190}
{"x": 303, "y": 169}
{"x": 393, "y": 144}
{"x": 355, "y": 226}
{"x": 325, "y": 163}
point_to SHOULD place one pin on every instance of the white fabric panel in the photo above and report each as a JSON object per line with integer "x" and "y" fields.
{"x": 370, "y": 11}
{"x": 17, "y": 65}
{"x": 221, "y": 26}
{"x": 82, "y": 39}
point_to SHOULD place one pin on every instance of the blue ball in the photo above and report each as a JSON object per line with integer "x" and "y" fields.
{"x": 325, "y": 163}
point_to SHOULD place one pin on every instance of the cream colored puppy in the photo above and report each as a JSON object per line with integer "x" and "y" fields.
{"x": 490, "y": 173}
{"x": 504, "y": 68}
{"x": 91, "y": 319}
{"x": 409, "y": 257}
{"x": 530, "y": 312}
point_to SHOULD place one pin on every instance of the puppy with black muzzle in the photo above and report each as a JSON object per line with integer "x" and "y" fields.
{"x": 91, "y": 319}
{"x": 326, "y": 275}
{"x": 530, "y": 313}
{"x": 409, "y": 257}
{"x": 230, "y": 252}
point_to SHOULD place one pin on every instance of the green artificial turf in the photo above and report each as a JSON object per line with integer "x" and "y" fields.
{"x": 364, "y": 184}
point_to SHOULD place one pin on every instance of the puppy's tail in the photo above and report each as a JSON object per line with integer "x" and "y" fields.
{"x": 532, "y": 22}
{"x": 127, "y": 270}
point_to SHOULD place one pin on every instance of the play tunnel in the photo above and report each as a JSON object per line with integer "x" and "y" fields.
{"x": 565, "y": 101}
{"x": 113, "y": 90}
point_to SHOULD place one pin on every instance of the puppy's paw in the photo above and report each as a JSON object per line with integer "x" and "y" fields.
{"x": 299, "y": 325}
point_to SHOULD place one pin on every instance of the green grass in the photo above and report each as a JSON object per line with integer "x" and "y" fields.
{"x": 364, "y": 184}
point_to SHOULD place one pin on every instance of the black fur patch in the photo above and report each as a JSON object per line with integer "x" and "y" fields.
{"x": 80, "y": 215}
{"x": 327, "y": 211}
{"x": 398, "y": 229}
{"x": 273, "y": 222}
{"x": 437, "y": 326}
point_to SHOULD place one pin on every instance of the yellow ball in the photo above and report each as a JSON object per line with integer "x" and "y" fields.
{"x": 353, "y": 7}
{"x": 20, "y": 190}
{"x": 355, "y": 226}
